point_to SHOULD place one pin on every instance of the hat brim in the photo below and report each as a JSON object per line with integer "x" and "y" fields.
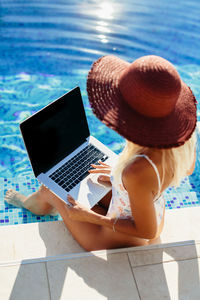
{"x": 109, "y": 106}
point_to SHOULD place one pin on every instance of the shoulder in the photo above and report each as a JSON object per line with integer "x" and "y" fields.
{"x": 139, "y": 176}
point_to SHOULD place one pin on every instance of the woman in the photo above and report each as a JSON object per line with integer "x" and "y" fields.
{"x": 155, "y": 111}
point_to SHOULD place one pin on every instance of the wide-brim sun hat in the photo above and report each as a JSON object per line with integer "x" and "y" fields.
{"x": 146, "y": 101}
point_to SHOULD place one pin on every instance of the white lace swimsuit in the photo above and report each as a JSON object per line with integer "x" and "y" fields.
{"x": 120, "y": 204}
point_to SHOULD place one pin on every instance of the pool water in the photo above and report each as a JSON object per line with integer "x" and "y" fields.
{"x": 47, "y": 48}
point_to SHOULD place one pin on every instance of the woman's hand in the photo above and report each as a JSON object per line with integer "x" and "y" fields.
{"x": 76, "y": 211}
{"x": 103, "y": 169}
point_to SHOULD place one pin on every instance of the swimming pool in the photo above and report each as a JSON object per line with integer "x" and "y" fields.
{"x": 47, "y": 48}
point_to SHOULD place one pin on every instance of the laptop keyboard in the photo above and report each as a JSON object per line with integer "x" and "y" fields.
{"x": 76, "y": 169}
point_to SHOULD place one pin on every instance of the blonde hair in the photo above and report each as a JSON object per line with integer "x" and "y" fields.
{"x": 176, "y": 161}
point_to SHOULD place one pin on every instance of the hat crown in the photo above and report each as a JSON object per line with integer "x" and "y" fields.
{"x": 151, "y": 86}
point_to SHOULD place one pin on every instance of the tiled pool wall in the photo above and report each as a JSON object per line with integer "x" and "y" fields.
{"x": 11, "y": 215}
{"x": 187, "y": 195}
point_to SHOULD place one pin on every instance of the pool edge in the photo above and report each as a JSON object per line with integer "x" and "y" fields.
{"x": 52, "y": 241}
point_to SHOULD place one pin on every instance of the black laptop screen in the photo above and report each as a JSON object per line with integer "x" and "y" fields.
{"x": 55, "y": 131}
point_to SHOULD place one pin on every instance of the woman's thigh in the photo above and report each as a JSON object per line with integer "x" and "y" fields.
{"x": 91, "y": 236}
{"x": 95, "y": 237}
{"x": 113, "y": 240}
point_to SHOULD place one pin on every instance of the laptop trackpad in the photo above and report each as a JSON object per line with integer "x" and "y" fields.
{"x": 89, "y": 191}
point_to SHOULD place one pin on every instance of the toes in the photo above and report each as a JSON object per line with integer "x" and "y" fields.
{"x": 9, "y": 194}
{"x": 14, "y": 198}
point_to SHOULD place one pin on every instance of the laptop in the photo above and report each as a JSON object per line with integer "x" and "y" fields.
{"x": 61, "y": 150}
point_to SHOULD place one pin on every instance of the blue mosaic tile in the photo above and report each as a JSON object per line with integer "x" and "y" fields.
{"x": 184, "y": 196}
{"x": 187, "y": 195}
{"x": 11, "y": 215}
{"x": 181, "y": 199}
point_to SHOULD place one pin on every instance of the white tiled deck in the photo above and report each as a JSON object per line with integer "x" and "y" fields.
{"x": 42, "y": 261}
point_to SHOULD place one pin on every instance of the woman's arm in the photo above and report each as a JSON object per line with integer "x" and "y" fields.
{"x": 141, "y": 184}
{"x": 79, "y": 213}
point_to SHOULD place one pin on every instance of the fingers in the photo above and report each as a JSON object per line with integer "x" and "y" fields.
{"x": 99, "y": 171}
{"x": 102, "y": 163}
{"x": 98, "y": 166}
{"x": 71, "y": 200}
{"x": 101, "y": 168}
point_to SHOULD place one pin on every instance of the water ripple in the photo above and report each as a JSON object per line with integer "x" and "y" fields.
{"x": 53, "y": 37}
{"x": 47, "y": 48}
{"x": 41, "y": 90}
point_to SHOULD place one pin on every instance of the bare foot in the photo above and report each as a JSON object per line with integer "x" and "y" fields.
{"x": 14, "y": 198}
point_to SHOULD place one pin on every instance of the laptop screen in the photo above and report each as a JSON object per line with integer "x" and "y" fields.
{"x": 55, "y": 131}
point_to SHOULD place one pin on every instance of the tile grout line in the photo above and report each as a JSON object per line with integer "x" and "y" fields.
{"x": 99, "y": 253}
{"x": 134, "y": 279}
{"x": 166, "y": 262}
{"x": 48, "y": 280}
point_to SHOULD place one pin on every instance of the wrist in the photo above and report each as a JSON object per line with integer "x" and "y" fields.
{"x": 99, "y": 219}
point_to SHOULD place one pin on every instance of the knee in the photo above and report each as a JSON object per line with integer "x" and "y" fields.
{"x": 48, "y": 196}
{"x": 45, "y": 195}
{"x": 44, "y": 191}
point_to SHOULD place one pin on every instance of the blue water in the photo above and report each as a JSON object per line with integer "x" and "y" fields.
{"x": 47, "y": 48}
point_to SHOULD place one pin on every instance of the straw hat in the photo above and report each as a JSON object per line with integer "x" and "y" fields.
{"x": 145, "y": 101}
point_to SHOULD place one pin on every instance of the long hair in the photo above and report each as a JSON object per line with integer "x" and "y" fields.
{"x": 176, "y": 161}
